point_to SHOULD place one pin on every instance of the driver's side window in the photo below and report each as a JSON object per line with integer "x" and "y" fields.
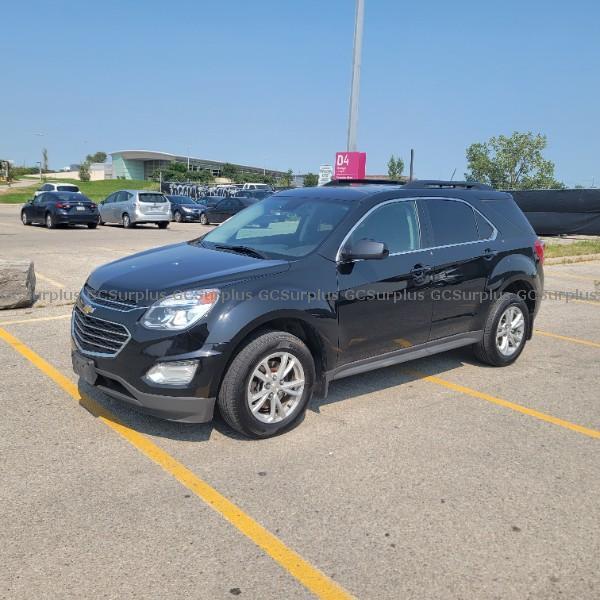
{"x": 395, "y": 224}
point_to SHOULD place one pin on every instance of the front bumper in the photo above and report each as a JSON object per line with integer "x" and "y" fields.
{"x": 183, "y": 409}
{"x": 122, "y": 373}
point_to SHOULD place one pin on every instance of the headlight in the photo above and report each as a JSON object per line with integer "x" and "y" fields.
{"x": 180, "y": 311}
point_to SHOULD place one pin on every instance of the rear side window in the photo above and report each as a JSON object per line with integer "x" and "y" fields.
{"x": 67, "y": 188}
{"x": 452, "y": 222}
{"x": 394, "y": 224}
{"x": 154, "y": 198}
{"x": 483, "y": 227}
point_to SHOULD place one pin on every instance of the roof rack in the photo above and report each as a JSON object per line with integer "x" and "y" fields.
{"x": 342, "y": 182}
{"x": 435, "y": 183}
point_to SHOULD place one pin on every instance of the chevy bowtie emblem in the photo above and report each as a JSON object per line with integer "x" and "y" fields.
{"x": 87, "y": 309}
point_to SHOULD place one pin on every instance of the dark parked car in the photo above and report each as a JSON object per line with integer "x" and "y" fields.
{"x": 184, "y": 208}
{"x": 60, "y": 208}
{"x": 225, "y": 208}
{"x": 305, "y": 287}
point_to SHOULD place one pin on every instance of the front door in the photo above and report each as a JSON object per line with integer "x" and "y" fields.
{"x": 385, "y": 305}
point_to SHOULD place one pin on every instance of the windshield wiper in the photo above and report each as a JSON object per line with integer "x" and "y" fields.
{"x": 241, "y": 249}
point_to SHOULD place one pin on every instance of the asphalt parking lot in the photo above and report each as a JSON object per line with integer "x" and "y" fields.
{"x": 441, "y": 478}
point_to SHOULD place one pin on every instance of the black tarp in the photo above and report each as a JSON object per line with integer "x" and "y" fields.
{"x": 559, "y": 212}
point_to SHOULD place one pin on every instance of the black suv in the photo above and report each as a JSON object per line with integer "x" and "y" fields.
{"x": 305, "y": 287}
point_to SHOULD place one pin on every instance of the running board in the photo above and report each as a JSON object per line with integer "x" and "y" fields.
{"x": 403, "y": 355}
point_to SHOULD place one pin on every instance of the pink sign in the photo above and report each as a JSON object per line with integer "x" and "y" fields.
{"x": 350, "y": 165}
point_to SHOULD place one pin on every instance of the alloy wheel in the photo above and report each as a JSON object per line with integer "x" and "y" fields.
{"x": 275, "y": 388}
{"x": 510, "y": 331}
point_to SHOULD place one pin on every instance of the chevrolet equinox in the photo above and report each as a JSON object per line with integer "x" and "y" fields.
{"x": 305, "y": 287}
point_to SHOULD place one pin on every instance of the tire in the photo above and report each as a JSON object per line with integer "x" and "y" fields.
{"x": 204, "y": 219}
{"x": 489, "y": 350}
{"x": 25, "y": 219}
{"x": 50, "y": 224}
{"x": 240, "y": 380}
{"x": 92, "y": 225}
{"x": 126, "y": 221}
{"x": 177, "y": 217}
{"x": 163, "y": 224}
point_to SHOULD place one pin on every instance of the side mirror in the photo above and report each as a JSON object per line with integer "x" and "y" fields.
{"x": 364, "y": 250}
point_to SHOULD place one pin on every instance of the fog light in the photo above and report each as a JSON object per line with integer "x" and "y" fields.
{"x": 178, "y": 372}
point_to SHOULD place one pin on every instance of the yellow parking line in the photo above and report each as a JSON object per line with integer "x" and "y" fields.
{"x": 567, "y": 339}
{"x": 593, "y": 433}
{"x": 311, "y": 577}
{"x": 50, "y": 281}
{"x": 34, "y": 320}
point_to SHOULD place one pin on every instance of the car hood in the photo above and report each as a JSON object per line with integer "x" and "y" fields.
{"x": 179, "y": 267}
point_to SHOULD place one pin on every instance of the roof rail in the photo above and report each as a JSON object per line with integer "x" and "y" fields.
{"x": 435, "y": 183}
{"x": 342, "y": 182}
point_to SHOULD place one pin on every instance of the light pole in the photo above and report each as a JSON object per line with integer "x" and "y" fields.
{"x": 355, "y": 88}
{"x": 40, "y": 135}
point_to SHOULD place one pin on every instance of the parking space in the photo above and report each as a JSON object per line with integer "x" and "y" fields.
{"x": 441, "y": 478}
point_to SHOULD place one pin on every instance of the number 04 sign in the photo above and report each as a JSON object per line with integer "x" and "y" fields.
{"x": 350, "y": 165}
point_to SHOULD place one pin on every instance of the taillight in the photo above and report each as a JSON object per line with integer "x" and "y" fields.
{"x": 62, "y": 205}
{"x": 539, "y": 250}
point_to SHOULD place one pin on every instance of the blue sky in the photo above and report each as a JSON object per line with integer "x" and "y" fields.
{"x": 267, "y": 81}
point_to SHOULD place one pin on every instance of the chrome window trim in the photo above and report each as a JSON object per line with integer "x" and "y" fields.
{"x": 415, "y": 200}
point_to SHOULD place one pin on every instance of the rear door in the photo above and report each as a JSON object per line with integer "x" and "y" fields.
{"x": 218, "y": 214}
{"x": 462, "y": 260}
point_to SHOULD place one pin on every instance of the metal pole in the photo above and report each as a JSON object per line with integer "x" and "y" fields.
{"x": 412, "y": 162}
{"x": 355, "y": 88}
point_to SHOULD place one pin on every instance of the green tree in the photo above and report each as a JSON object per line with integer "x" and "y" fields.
{"x": 286, "y": 180}
{"x": 230, "y": 171}
{"x": 395, "y": 167}
{"x": 98, "y": 157}
{"x": 311, "y": 180}
{"x": 84, "y": 171}
{"x": 512, "y": 163}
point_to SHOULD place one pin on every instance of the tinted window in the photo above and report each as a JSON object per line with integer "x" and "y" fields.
{"x": 394, "y": 224}
{"x": 483, "y": 227}
{"x": 152, "y": 198}
{"x": 67, "y": 188}
{"x": 452, "y": 222}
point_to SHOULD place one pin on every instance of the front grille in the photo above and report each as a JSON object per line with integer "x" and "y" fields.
{"x": 114, "y": 300}
{"x": 98, "y": 336}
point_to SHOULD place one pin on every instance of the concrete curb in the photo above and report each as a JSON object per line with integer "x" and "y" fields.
{"x": 565, "y": 260}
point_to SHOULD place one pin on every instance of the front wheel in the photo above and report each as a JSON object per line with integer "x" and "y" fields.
{"x": 177, "y": 217}
{"x": 203, "y": 219}
{"x": 268, "y": 385}
{"x": 163, "y": 224}
{"x": 92, "y": 225}
{"x": 25, "y": 219}
{"x": 505, "y": 332}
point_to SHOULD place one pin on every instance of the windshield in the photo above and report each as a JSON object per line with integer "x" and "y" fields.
{"x": 152, "y": 198}
{"x": 280, "y": 226}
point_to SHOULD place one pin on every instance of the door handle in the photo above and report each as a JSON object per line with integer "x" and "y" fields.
{"x": 488, "y": 253}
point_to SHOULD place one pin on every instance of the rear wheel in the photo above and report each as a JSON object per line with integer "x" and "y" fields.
{"x": 50, "y": 224}
{"x": 163, "y": 224}
{"x": 92, "y": 225}
{"x": 126, "y": 221}
{"x": 203, "y": 219}
{"x": 268, "y": 385}
{"x": 25, "y": 219}
{"x": 505, "y": 332}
